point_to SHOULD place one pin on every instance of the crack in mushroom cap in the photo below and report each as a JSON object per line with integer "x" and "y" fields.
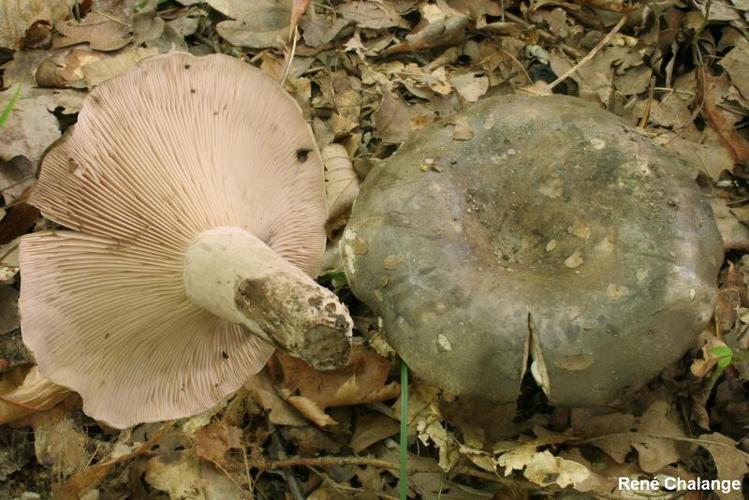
{"x": 177, "y": 146}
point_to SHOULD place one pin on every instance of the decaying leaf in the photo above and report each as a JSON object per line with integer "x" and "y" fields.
{"x": 732, "y": 463}
{"x": 99, "y": 31}
{"x": 341, "y": 184}
{"x": 257, "y": 24}
{"x": 16, "y": 16}
{"x": 731, "y": 296}
{"x": 280, "y": 412}
{"x": 32, "y": 127}
{"x": 363, "y": 379}
{"x": 214, "y": 441}
{"x": 60, "y": 442}
{"x": 392, "y": 120}
{"x": 36, "y": 393}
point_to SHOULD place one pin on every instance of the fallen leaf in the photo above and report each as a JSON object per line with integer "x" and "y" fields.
{"x": 100, "y": 32}
{"x": 96, "y": 72}
{"x": 341, "y": 184}
{"x": 736, "y": 63}
{"x": 392, "y": 120}
{"x": 470, "y": 86}
{"x": 735, "y": 234}
{"x": 731, "y": 462}
{"x": 725, "y": 129}
{"x": 36, "y": 393}
{"x": 374, "y": 15}
{"x": 280, "y": 412}
{"x": 32, "y": 127}
{"x": 59, "y": 442}
{"x": 371, "y": 428}
{"x": 16, "y": 16}
{"x": 731, "y": 296}
{"x": 363, "y": 379}
{"x": 449, "y": 31}
{"x": 258, "y": 24}
{"x": 214, "y": 441}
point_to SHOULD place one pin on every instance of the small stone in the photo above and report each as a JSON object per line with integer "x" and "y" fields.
{"x": 597, "y": 144}
{"x": 551, "y": 245}
{"x": 692, "y": 293}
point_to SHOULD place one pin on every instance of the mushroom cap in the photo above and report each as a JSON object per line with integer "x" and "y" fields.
{"x": 557, "y": 232}
{"x": 177, "y": 146}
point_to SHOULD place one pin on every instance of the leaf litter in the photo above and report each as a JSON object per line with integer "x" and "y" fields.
{"x": 369, "y": 74}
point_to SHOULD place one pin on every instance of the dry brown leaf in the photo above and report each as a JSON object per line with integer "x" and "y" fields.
{"x": 310, "y": 440}
{"x": 362, "y": 380}
{"x": 262, "y": 391}
{"x": 736, "y": 62}
{"x": 31, "y": 126}
{"x": 656, "y": 452}
{"x": 100, "y": 32}
{"x": 341, "y": 184}
{"x": 725, "y": 129}
{"x": 449, "y": 31}
{"x": 16, "y": 16}
{"x": 374, "y": 15}
{"x": 36, "y": 393}
{"x": 77, "y": 485}
{"x": 470, "y": 86}
{"x": 735, "y": 234}
{"x": 731, "y": 296}
{"x": 258, "y": 24}
{"x": 66, "y": 70}
{"x": 392, "y": 120}
{"x": 731, "y": 462}
{"x": 96, "y": 72}
{"x": 372, "y": 428}
{"x": 309, "y": 409}
{"x": 214, "y": 441}
{"x": 59, "y": 442}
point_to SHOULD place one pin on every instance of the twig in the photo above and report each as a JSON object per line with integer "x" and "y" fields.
{"x": 265, "y": 465}
{"x": 277, "y": 447}
{"x": 545, "y": 35}
{"x": 590, "y": 55}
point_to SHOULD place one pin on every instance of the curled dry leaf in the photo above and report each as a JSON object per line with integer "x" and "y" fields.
{"x": 36, "y": 393}
{"x": 100, "y": 32}
{"x": 362, "y": 380}
{"x": 341, "y": 184}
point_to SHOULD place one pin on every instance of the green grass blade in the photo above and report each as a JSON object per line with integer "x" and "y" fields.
{"x": 404, "y": 433}
{"x": 9, "y": 107}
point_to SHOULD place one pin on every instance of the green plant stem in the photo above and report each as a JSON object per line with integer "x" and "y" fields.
{"x": 403, "y": 484}
{"x": 9, "y": 107}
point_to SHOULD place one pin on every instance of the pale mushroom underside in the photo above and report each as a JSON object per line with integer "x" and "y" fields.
{"x": 176, "y": 147}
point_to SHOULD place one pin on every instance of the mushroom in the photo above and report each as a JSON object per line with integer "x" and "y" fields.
{"x": 195, "y": 191}
{"x": 557, "y": 235}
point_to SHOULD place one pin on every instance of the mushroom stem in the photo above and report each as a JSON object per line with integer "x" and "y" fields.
{"x": 236, "y": 276}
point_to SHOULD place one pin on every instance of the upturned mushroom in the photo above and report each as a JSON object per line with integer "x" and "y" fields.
{"x": 195, "y": 192}
{"x": 557, "y": 237}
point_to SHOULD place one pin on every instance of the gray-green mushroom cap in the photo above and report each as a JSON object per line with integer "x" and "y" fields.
{"x": 557, "y": 235}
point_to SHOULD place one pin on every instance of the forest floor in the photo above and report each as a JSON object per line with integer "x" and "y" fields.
{"x": 368, "y": 75}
